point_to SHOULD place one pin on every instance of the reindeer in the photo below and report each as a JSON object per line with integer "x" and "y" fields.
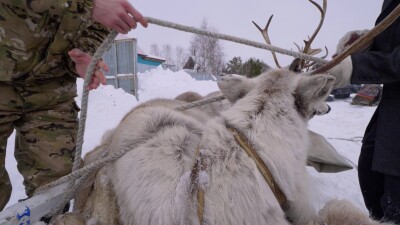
{"x": 175, "y": 157}
{"x": 245, "y": 166}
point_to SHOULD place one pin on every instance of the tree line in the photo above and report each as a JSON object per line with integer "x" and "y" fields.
{"x": 208, "y": 55}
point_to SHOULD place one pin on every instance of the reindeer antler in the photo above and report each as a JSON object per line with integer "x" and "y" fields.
{"x": 307, "y": 47}
{"x": 357, "y": 45}
{"x": 309, "y": 64}
{"x": 298, "y": 64}
{"x": 323, "y": 13}
{"x": 264, "y": 33}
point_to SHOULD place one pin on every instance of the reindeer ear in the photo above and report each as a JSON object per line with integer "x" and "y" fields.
{"x": 315, "y": 87}
{"x": 234, "y": 87}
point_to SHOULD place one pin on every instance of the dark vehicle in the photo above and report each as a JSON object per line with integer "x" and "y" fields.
{"x": 342, "y": 93}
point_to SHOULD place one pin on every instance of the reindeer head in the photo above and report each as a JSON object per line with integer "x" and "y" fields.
{"x": 311, "y": 93}
{"x": 279, "y": 88}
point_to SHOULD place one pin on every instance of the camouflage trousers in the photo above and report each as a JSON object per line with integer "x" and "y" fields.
{"x": 44, "y": 116}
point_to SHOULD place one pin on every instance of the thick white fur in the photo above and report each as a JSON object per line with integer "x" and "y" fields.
{"x": 152, "y": 181}
{"x": 342, "y": 212}
{"x": 96, "y": 202}
{"x": 211, "y": 109}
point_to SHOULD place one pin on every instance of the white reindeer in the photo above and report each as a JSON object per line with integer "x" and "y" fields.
{"x": 153, "y": 182}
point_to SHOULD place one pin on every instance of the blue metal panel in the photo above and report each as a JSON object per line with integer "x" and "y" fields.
{"x": 122, "y": 59}
{"x": 111, "y": 80}
{"x": 110, "y": 57}
{"x": 149, "y": 62}
{"x": 126, "y": 56}
{"x": 144, "y": 68}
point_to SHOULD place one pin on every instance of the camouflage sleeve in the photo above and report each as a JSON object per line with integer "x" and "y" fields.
{"x": 54, "y": 7}
{"x": 89, "y": 40}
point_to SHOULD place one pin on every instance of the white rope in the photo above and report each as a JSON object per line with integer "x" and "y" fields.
{"x": 243, "y": 41}
{"x": 104, "y": 159}
{"x": 201, "y": 102}
{"x": 82, "y": 121}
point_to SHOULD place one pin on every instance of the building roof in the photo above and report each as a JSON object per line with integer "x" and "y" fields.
{"x": 147, "y": 56}
{"x": 140, "y": 50}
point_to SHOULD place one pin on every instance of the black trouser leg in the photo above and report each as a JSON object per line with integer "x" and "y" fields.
{"x": 371, "y": 182}
{"x": 391, "y": 199}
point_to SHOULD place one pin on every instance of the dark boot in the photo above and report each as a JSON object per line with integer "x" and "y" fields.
{"x": 48, "y": 219}
{"x": 391, "y": 199}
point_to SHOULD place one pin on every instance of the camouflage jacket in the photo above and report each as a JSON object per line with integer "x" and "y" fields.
{"x": 36, "y": 35}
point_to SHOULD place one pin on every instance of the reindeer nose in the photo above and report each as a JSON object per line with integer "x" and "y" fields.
{"x": 329, "y": 109}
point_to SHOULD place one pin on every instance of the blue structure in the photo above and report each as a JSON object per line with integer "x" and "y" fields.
{"x": 147, "y": 62}
{"x": 125, "y": 59}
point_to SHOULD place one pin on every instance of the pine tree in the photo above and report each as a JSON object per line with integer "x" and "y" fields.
{"x": 233, "y": 66}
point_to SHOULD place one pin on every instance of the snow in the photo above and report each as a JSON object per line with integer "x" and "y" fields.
{"x": 343, "y": 127}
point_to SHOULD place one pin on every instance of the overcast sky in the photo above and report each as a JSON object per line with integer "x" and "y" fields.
{"x": 294, "y": 21}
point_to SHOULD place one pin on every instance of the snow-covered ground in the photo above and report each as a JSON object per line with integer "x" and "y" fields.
{"x": 343, "y": 127}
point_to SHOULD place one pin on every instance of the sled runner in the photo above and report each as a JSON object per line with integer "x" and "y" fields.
{"x": 33, "y": 209}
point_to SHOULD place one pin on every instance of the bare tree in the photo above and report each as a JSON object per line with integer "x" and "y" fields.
{"x": 207, "y": 51}
{"x": 167, "y": 53}
{"x": 154, "y": 50}
{"x": 180, "y": 57}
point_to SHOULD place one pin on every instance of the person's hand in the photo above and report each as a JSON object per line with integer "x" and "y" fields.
{"x": 82, "y": 61}
{"x": 118, "y": 15}
{"x": 342, "y": 72}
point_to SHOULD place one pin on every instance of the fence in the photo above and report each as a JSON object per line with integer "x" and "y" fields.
{"x": 128, "y": 82}
{"x": 202, "y": 76}
{"x": 122, "y": 61}
{"x": 144, "y": 68}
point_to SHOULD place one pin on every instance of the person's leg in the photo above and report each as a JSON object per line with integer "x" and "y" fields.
{"x": 371, "y": 182}
{"x": 391, "y": 199}
{"x": 5, "y": 184}
{"x": 50, "y": 146}
{"x": 45, "y": 145}
{"x": 46, "y": 132}
{"x": 9, "y": 107}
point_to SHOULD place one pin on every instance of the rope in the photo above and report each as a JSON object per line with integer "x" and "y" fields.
{"x": 262, "y": 167}
{"x": 82, "y": 121}
{"x": 234, "y": 39}
{"x": 78, "y": 173}
{"x": 200, "y": 102}
{"x": 85, "y": 172}
{"x": 116, "y": 155}
{"x": 85, "y": 95}
{"x": 361, "y": 42}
